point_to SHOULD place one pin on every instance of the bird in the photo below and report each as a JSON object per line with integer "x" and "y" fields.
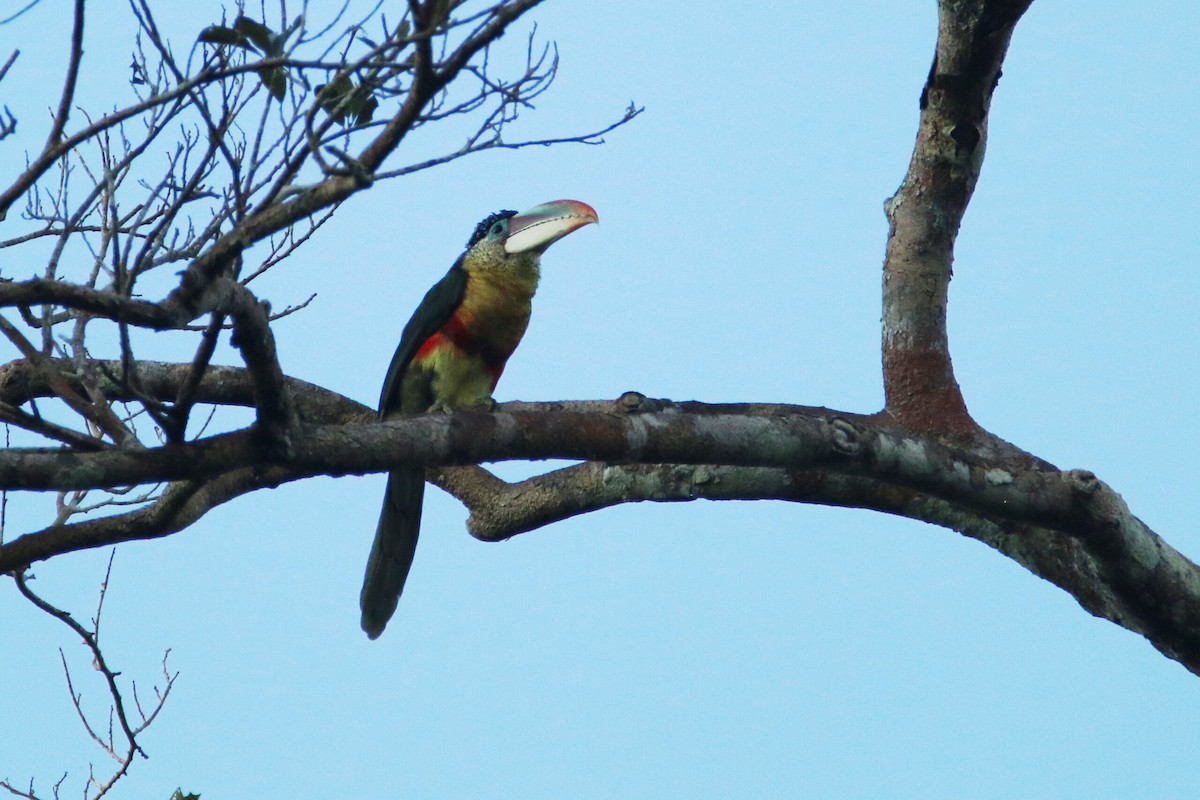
{"x": 451, "y": 355}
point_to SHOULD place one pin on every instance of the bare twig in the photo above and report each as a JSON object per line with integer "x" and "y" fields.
{"x": 124, "y": 754}
{"x": 68, "y": 92}
{"x": 19, "y": 12}
{"x": 8, "y": 62}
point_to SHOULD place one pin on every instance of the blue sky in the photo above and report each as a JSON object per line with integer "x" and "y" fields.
{"x": 705, "y": 649}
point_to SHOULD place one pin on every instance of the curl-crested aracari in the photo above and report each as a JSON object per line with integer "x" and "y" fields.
{"x": 451, "y": 355}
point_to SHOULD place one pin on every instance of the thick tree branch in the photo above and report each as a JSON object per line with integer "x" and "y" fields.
{"x": 466, "y": 437}
{"x": 925, "y": 213}
{"x": 223, "y": 296}
{"x": 1113, "y": 565}
{"x": 22, "y": 381}
{"x": 252, "y": 336}
{"x": 1067, "y": 527}
{"x": 501, "y": 510}
{"x": 40, "y": 291}
{"x": 177, "y": 508}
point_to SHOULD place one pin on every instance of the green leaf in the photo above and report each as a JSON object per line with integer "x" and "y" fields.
{"x": 331, "y": 93}
{"x": 342, "y": 99}
{"x": 366, "y": 110}
{"x": 179, "y": 795}
{"x": 330, "y": 96}
{"x": 275, "y": 79}
{"x": 250, "y": 34}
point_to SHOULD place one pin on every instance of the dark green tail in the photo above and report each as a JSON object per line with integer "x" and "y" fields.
{"x": 392, "y": 552}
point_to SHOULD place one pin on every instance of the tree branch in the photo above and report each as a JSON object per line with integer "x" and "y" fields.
{"x": 925, "y": 213}
{"x": 1066, "y": 526}
{"x": 68, "y": 92}
{"x": 252, "y": 336}
{"x": 22, "y": 381}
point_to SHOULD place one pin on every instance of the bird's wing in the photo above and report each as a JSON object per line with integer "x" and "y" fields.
{"x": 434, "y": 311}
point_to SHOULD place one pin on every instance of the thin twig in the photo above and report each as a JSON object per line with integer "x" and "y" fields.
{"x": 91, "y": 639}
{"x": 68, "y": 92}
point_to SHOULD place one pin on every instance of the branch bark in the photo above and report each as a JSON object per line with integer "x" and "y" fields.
{"x": 925, "y": 213}
{"x": 1065, "y": 526}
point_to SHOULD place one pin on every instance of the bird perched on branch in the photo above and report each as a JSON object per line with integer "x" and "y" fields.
{"x": 450, "y": 356}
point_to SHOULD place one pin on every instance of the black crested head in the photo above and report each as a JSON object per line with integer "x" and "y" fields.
{"x": 481, "y": 230}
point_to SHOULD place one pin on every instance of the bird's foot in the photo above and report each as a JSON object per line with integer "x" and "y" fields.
{"x": 484, "y": 404}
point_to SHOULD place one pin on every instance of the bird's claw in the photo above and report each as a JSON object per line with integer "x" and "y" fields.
{"x": 441, "y": 407}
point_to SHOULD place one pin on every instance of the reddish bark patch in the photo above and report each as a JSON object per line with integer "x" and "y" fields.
{"x": 922, "y": 394}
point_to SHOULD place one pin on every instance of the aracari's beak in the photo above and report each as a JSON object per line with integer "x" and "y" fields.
{"x": 541, "y": 226}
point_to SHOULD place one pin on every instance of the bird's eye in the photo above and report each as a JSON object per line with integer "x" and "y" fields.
{"x": 498, "y": 228}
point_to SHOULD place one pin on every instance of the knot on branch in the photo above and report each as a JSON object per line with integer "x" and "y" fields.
{"x": 846, "y": 438}
{"x": 353, "y": 167}
{"x": 1083, "y": 483}
{"x": 1097, "y": 499}
{"x": 637, "y": 403}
